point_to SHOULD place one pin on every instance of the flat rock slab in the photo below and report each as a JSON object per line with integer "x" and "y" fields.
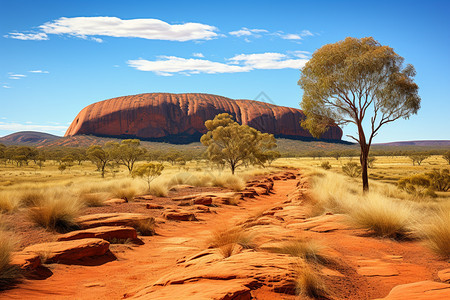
{"x": 109, "y": 233}
{"x": 200, "y": 290}
{"x": 444, "y": 275}
{"x": 423, "y": 290}
{"x": 69, "y": 250}
{"x": 274, "y": 270}
{"x": 111, "y": 219}
{"x": 376, "y": 267}
{"x": 115, "y": 201}
{"x": 26, "y": 261}
{"x": 179, "y": 215}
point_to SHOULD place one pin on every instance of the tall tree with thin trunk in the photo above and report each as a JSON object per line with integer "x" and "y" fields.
{"x": 357, "y": 81}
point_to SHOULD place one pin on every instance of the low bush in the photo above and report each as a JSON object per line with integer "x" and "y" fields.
{"x": 325, "y": 165}
{"x": 226, "y": 239}
{"x": 437, "y": 233}
{"x": 351, "y": 169}
{"x": 146, "y": 227}
{"x": 8, "y": 273}
{"x": 57, "y": 212}
{"x": 309, "y": 283}
{"x": 9, "y": 201}
{"x": 383, "y": 216}
{"x": 306, "y": 249}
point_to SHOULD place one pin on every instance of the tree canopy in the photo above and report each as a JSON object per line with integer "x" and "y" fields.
{"x": 234, "y": 145}
{"x": 355, "y": 80}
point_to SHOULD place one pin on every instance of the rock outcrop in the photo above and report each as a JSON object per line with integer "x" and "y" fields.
{"x": 180, "y": 118}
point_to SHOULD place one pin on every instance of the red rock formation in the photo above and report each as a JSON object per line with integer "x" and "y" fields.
{"x": 181, "y": 117}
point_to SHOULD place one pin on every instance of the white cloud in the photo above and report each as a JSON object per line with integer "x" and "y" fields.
{"x": 268, "y": 60}
{"x": 31, "y": 127}
{"x": 39, "y": 71}
{"x": 40, "y": 36}
{"x": 306, "y": 33}
{"x": 6, "y": 86}
{"x": 290, "y": 36}
{"x": 98, "y": 40}
{"x": 247, "y": 32}
{"x": 16, "y": 76}
{"x": 90, "y": 27}
{"x": 169, "y": 65}
{"x": 198, "y": 55}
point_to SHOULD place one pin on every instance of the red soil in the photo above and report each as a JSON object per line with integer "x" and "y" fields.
{"x": 138, "y": 266}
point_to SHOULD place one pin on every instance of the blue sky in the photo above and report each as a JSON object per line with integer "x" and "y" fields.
{"x": 57, "y": 57}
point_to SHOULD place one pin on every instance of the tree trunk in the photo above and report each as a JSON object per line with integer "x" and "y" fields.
{"x": 233, "y": 167}
{"x": 363, "y": 158}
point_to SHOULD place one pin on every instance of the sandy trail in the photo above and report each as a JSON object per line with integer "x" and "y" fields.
{"x": 138, "y": 266}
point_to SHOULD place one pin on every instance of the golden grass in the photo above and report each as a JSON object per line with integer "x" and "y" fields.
{"x": 226, "y": 240}
{"x": 32, "y": 197}
{"x": 383, "y": 216}
{"x": 8, "y": 273}
{"x": 127, "y": 193}
{"x": 9, "y": 201}
{"x": 437, "y": 233}
{"x": 309, "y": 283}
{"x": 307, "y": 249}
{"x": 146, "y": 227}
{"x": 92, "y": 199}
{"x": 57, "y": 212}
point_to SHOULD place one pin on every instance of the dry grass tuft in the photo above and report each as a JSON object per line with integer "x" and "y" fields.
{"x": 437, "y": 233}
{"x": 9, "y": 201}
{"x": 146, "y": 227}
{"x": 57, "y": 212}
{"x": 309, "y": 283}
{"x": 229, "y": 181}
{"x": 233, "y": 200}
{"x": 32, "y": 197}
{"x": 8, "y": 273}
{"x": 93, "y": 199}
{"x": 127, "y": 193}
{"x": 385, "y": 217}
{"x": 227, "y": 239}
{"x": 159, "y": 188}
{"x": 307, "y": 249}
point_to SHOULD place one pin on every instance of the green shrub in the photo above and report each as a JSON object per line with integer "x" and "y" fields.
{"x": 325, "y": 165}
{"x": 351, "y": 169}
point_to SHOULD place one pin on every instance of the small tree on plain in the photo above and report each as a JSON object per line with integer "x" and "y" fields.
{"x": 418, "y": 158}
{"x": 354, "y": 80}
{"x": 149, "y": 172}
{"x": 234, "y": 145}
{"x": 100, "y": 157}
{"x": 127, "y": 152}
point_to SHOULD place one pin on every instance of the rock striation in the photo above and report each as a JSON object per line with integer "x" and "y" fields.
{"x": 180, "y": 118}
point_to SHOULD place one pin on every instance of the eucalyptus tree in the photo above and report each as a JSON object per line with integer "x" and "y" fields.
{"x": 357, "y": 81}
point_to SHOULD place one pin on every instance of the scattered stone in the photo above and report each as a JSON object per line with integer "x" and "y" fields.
{"x": 68, "y": 251}
{"x": 179, "y": 215}
{"x": 153, "y": 206}
{"x": 111, "y": 219}
{"x": 115, "y": 201}
{"x": 444, "y": 275}
{"x": 144, "y": 197}
{"x": 109, "y": 233}
{"x": 423, "y": 290}
{"x": 203, "y": 200}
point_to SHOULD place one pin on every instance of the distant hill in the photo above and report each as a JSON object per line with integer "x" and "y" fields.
{"x": 430, "y": 143}
{"x": 29, "y": 138}
{"x": 285, "y": 146}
